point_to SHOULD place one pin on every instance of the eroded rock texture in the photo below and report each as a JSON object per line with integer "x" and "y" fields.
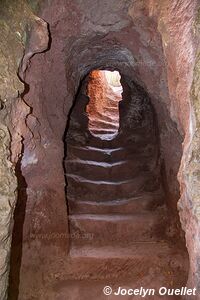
{"x": 15, "y": 29}
{"x": 154, "y": 45}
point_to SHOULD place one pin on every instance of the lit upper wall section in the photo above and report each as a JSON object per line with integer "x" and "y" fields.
{"x": 113, "y": 78}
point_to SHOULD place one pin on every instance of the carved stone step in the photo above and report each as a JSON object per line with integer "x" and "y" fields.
{"x": 106, "y": 170}
{"x": 94, "y": 190}
{"x": 134, "y": 262}
{"x": 104, "y": 124}
{"x": 107, "y": 154}
{"x": 145, "y": 202}
{"x": 123, "y": 229}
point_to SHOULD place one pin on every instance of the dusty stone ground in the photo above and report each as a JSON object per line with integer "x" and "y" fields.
{"x": 171, "y": 42}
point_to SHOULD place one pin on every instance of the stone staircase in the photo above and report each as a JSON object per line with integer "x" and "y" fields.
{"x": 117, "y": 216}
{"x": 105, "y": 124}
{"x": 112, "y": 195}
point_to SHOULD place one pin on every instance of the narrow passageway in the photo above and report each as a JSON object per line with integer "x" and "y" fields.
{"x": 99, "y": 143}
{"x": 117, "y": 210}
{"x": 104, "y": 90}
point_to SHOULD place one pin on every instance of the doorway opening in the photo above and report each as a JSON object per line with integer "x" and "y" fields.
{"x": 105, "y": 92}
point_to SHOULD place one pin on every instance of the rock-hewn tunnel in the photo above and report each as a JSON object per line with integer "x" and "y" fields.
{"x": 100, "y": 147}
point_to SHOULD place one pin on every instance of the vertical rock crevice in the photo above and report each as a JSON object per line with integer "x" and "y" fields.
{"x": 14, "y": 30}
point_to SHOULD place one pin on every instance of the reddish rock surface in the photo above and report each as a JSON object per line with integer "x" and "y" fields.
{"x": 117, "y": 210}
{"x": 153, "y": 44}
{"x": 103, "y": 106}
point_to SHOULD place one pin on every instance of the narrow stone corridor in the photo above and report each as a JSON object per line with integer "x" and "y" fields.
{"x": 117, "y": 210}
{"x": 103, "y": 107}
{"x": 99, "y": 145}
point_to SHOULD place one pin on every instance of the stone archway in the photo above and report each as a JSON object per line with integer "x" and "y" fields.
{"x": 117, "y": 195}
{"x": 144, "y": 43}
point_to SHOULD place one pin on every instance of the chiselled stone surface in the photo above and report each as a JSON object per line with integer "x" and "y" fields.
{"x": 115, "y": 194}
{"x": 15, "y": 28}
{"x": 152, "y": 42}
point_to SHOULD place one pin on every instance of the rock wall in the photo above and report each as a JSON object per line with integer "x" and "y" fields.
{"x": 11, "y": 48}
{"x": 189, "y": 178}
{"x": 15, "y": 32}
